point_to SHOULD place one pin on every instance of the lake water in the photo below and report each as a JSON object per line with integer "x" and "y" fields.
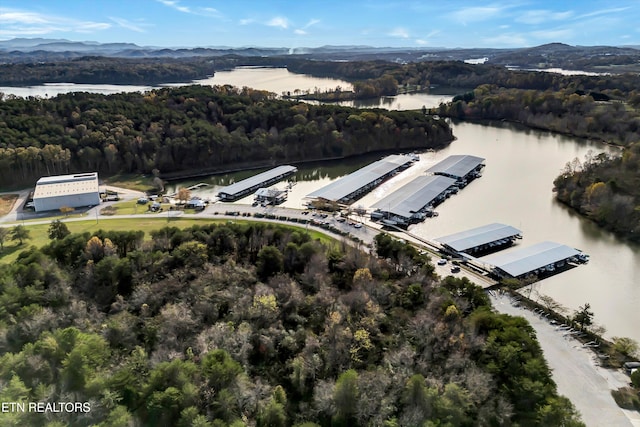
{"x": 516, "y": 188}
{"x": 277, "y": 80}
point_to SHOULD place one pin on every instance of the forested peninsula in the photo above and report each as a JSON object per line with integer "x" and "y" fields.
{"x": 193, "y": 128}
{"x": 258, "y": 324}
{"x": 102, "y": 70}
{"x": 601, "y": 107}
{"x": 603, "y": 188}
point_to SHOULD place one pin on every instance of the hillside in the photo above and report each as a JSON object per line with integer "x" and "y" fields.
{"x": 191, "y": 129}
{"x": 247, "y": 324}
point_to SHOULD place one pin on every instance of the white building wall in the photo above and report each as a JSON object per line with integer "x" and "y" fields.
{"x": 72, "y": 201}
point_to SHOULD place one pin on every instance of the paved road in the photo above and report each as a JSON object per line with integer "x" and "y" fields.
{"x": 574, "y": 369}
{"x": 576, "y": 372}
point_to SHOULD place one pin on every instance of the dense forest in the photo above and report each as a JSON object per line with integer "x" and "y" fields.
{"x": 605, "y": 189}
{"x": 102, "y": 70}
{"x": 188, "y": 129}
{"x": 192, "y": 128}
{"x": 256, "y": 324}
{"x": 609, "y": 115}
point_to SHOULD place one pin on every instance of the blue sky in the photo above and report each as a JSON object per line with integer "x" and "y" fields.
{"x": 311, "y": 23}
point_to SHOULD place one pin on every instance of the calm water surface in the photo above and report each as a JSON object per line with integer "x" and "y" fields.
{"x": 277, "y": 80}
{"x": 516, "y": 188}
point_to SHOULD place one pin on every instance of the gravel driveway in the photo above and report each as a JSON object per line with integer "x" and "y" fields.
{"x": 576, "y": 371}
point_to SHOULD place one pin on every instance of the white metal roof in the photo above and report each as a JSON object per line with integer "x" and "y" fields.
{"x": 66, "y": 185}
{"x": 351, "y": 183}
{"x": 414, "y": 196}
{"x": 269, "y": 192}
{"x": 258, "y": 179}
{"x": 457, "y": 165}
{"x": 530, "y": 258}
{"x": 478, "y": 236}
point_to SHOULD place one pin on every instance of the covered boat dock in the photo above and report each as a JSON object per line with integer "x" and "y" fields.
{"x": 247, "y": 186}
{"x": 350, "y": 188}
{"x": 541, "y": 258}
{"x": 487, "y": 238}
{"x": 413, "y": 201}
{"x": 462, "y": 168}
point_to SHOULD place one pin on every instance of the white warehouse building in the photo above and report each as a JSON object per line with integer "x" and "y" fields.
{"x": 54, "y": 192}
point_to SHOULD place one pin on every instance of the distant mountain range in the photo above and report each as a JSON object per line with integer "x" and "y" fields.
{"x": 558, "y": 55}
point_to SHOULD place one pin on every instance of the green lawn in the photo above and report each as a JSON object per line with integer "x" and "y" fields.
{"x": 132, "y": 207}
{"x": 40, "y": 238}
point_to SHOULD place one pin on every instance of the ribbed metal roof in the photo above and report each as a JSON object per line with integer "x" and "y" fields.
{"x": 255, "y": 180}
{"x": 414, "y": 196}
{"x": 66, "y": 185}
{"x": 478, "y": 236}
{"x": 524, "y": 260}
{"x": 346, "y": 185}
{"x": 457, "y": 165}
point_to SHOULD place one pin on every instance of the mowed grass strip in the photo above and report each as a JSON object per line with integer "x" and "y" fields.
{"x": 6, "y": 203}
{"x": 39, "y": 232}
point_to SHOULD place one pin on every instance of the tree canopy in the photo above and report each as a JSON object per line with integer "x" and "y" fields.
{"x": 192, "y": 129}
{"x": 257, "y": 324}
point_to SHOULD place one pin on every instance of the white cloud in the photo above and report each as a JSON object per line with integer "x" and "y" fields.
{"x": 175, "y": 5}
{"x": 247, "y": 21}
{"x": 210, "y": 12}
{"x": 279, "y": 21}
{"x": 91, "y": 27}
{"x": 534, "y": 17}
{"x": 421, "y": 42}
{"x": 433, "y": 33}
{"x": 602, "y": 12}
{"x": 399, "y": 32}
{"x": 303, "y": 30}
{"x": 127, "y": 24}
{"x": 475, "y": 14}
{"x": 23, "y": 23}
{"x": 27, "y": 31}
{"x": 9, "y": 16}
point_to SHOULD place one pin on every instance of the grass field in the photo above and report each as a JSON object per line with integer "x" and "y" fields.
{"x": 6, "y": 203}
{"x": 39, "y": 232}
{"x": 132, "y": 207}
{"x": 131, "y": 182}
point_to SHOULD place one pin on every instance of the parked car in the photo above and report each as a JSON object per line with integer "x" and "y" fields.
{"x": 455, "y": 269}
{"x": 631, "y": 367}
{"x": 442, "y": 261}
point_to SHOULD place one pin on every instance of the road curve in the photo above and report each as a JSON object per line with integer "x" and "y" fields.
{"x": 576, "y": 372}
{"x": 573, "y": 369}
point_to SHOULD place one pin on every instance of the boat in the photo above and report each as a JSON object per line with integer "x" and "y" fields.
{"x": 582, "y": 257}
